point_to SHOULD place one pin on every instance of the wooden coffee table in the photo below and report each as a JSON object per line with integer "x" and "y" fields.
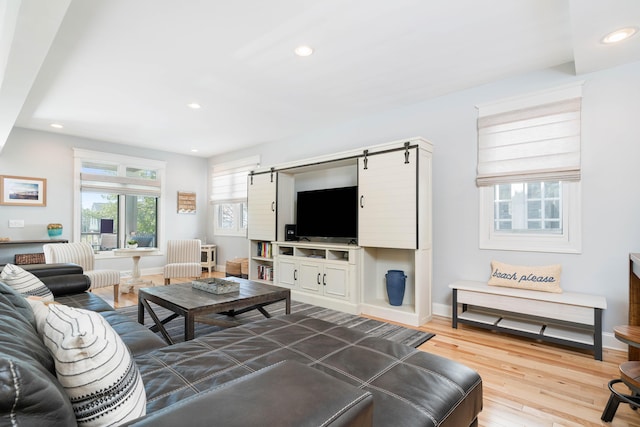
{"x": 194, "y": 304}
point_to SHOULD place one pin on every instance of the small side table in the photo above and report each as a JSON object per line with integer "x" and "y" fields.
{"x": 629, "y": 335}
{"x": 136, "y": 281}
{"x": 208, "y": 257}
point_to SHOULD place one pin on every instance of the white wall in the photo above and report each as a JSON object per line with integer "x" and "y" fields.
{"x": 610, "y": 158}
{"x": 50, "y": 155}
{"x": 610, "y": 152}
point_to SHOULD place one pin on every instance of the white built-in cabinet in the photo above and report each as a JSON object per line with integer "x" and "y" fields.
{"x": 388, "y": 215}
{"x": 394, "y": 232}
{"x": 270, "y": 204}
{"x": 395, "y": 229}
{"x": 262, "y": 192}
{"x": 322, "y": 274}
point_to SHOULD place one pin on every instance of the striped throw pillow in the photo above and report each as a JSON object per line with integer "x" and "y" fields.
{"x": 40, "y": 313}
{"x": 24, "y": 282}
{"x": 94, "y": 366}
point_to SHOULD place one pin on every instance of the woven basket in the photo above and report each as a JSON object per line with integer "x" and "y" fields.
{"x": 244, "y": 268}
{"x": 232, "y": 268}
{"x": 23, "y": 259}
{"x": 238, "y": 267}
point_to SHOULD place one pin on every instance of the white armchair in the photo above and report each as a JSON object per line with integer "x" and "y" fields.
{"x": 183, "y": 259}
{"x": 82, "y": 254}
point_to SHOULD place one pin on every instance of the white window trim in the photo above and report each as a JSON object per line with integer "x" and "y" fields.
{"x": 81, "y": 155}
{"x": 570, "y": 241}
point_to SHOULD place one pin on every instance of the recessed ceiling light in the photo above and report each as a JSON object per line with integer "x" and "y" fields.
{"x": 56, "y": 125}
{"x": 193, "y": 105}
{"x": 619, "y": 35}
{"x": 194, "y": 150}
{"x": 303, "y": 51}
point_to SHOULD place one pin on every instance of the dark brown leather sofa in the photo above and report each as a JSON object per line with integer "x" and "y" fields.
{"x": 289, "y": 370}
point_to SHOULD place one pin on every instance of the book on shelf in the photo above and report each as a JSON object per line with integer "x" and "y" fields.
{"x": 264, "y": 249}
{"x": 265, "y": 272}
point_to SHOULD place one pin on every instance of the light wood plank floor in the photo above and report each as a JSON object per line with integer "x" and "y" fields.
{"x": 525, "y": 383}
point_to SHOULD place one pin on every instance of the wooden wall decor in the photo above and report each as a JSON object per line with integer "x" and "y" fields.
{"x": 186, "y": 202}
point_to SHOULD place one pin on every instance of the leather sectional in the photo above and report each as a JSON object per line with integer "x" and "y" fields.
{"x": 289, "y": 370}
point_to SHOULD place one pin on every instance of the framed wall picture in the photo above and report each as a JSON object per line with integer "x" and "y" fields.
{"x": 23, "y": 191}
{"x": 186, "y": 202}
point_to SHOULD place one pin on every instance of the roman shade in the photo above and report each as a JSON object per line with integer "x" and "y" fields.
{"x": 229, "y": 180}
{"x": 116, "y": 174}
{"x": 120, "y": 185}
{"x": 536, "y": 138}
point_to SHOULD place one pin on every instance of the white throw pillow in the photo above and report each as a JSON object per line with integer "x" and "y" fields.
{"x": 24, "y": 282}
{"x": 541, "y": 278}
{"x": 94, "y": 366}
{"x": 40, "y": 312}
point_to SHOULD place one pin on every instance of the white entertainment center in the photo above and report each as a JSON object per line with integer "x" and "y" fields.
{"x": 393, "y": 230}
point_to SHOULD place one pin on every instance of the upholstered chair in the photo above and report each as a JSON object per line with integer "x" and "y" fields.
{"x": 82, "y": 254}
{"x": 183, "y": 259}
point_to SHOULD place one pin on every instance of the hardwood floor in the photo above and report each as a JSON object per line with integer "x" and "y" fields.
{"x": 525, "y": 383}
{"x": 528, "y": 383}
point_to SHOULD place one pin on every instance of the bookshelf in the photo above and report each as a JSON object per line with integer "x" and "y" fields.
{"x": 261, "y": 265}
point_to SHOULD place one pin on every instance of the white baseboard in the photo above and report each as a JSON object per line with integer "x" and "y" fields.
{"x": 611, "y": 342}
{"x": 441, "y": 309}
{"x": 608, "y": 339}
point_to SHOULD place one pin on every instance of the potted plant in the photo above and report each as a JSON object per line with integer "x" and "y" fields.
{"x": 132, "y": 243}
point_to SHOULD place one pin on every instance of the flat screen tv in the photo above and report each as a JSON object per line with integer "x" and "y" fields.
{"x": 331, "y": 212}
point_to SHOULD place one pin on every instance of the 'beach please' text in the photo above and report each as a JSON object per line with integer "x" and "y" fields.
{"x": 523, "y": 278}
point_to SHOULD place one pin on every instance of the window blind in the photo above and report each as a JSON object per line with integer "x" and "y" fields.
{"x": 534, "y": 143}
{"x": 120, "y": 185}
{"x": 229, "y": 180}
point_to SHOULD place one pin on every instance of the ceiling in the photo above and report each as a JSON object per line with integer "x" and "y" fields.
{"x": 124, "y": 71}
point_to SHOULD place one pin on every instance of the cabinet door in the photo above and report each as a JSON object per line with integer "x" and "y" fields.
{"x": 310, "y": 276}
{"x": 335, "y": 280}
{"x": 261, "y": 209}
{"x": 286, "y": 273}
{"x": 387, "y": 188}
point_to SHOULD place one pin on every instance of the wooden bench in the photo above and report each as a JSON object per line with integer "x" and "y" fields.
{"x": 568, "y": 318}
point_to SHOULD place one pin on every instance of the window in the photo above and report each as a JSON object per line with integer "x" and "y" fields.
{"x": 228, "y": 195}
{"x": 118, "y": 199}
{"x": 230, "y": 218}
{"x": 528, "y": 206}
{"x": 529, "y": 172}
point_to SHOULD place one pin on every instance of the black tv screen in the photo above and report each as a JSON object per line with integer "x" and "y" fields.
{"x": 331, "y": 212}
